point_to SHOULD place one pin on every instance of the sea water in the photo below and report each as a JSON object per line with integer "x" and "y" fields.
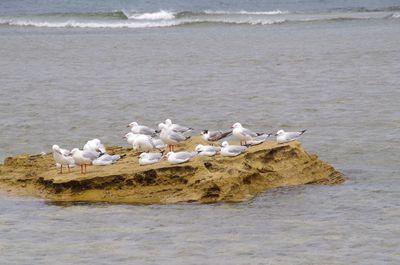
{"x": 74, "y": 70}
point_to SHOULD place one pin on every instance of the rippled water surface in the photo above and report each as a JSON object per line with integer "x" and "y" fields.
{"x": 339, "y": 78}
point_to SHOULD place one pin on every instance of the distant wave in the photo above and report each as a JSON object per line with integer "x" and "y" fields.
{"x": 243, "y": 12}
{"x": 160, "y": 15}
{"x": 165, "y": 18}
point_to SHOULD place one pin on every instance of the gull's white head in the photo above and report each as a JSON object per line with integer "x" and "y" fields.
{"x": 142, "y": 155}
{"x": 162, "y": 126}
{"x": 129, "y": 134}
{"x": 95, "y": 141}
{"x": 73, "y": 151}
{"x": 224, "y": 143}
{"x": 198, "y": 147}
{"x": 169, "y": 154}
{"x": 133, "y": 124}
{"x": 55, "y": 147}
{"x": 237, "y": 125}
{"x": 280, "y": 132}
{"x": 168, "y": 122}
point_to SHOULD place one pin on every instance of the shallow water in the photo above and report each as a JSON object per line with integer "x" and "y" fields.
{"x": 337, "y": 78}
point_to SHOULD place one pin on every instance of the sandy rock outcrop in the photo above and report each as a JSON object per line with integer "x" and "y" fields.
{"x": 204, "y": 179}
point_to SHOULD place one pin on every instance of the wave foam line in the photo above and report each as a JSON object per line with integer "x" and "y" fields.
{"x": 76, "y": 24}
{"x": 243, "y": 12}
{"x": 160, "y": 15}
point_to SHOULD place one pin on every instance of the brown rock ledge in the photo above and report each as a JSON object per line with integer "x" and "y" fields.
{"x": 204, "y": 179}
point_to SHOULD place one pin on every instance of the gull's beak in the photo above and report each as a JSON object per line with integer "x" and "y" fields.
{"x": 276, "y": 134}
{"x": 124, "y": 137}
{"x": 127, "y": 126}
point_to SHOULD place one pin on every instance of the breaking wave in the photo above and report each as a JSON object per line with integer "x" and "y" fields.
{"x": 166, "y": 18}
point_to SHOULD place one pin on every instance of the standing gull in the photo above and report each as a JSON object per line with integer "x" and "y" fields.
{"x": 243, "y": 134}
{"x": 141, "y": 129}
{"x": 62, "y": 157}
{"x": 232, "y": 150}
{"x": 83, "y": 158}
{"x": 170, "y": 137}
{"x": 284, "y": 137}
{"x": 94, "y": 145}
{"x": 214, "y": 136}
{"x": 177, "y": 127}
{"x": 143, "y": 142}
{"x": 180, "y": 157}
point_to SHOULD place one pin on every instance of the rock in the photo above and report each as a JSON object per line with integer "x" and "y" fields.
{"x": 204, "y": 179}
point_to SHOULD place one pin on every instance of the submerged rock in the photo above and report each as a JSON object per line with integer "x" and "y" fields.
{"x": 203, "y": 179}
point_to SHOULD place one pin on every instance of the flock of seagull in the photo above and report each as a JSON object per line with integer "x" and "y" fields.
{"x": 144, "y": 139}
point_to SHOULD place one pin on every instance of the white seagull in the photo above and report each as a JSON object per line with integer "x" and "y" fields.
{"x": 284, "y": 137}
{"x": 141, "y": 129}
{"x": 232, "y": 150}
{"x": 259, "y": 139}
{"x": 180, "y": 157}
{"x": 176, "y": 127}
{"x": 143, "y": 143}
{"x": 214, "y": 136}
{"x": 94, "y": 145}
{"x": 130, "y": 137}
{"x": 207, "y": 150}
{"x": 106, "y": 160}
{"x": 171, "y": 137}
{"x": 83, "y": 158}
{"x": 149, "y": 158}
{"x": 63, "y": 157}
{"x": 159, "y": 143}
{"x": 242, "y": 133}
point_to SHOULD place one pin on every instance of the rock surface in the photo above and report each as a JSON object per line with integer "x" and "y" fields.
{"x": 204, "y": 179}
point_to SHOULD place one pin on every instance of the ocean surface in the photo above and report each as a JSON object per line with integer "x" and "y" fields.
{"x": 74, "y": 70}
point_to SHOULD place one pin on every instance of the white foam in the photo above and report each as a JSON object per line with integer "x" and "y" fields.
{"x": 76, "y": 24}
{"x": 396, "y": 15}
{"x": 243, "y": 12}
{"x": 160, "y": 15}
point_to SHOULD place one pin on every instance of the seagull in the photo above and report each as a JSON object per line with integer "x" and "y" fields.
{"x": 171, "y": 137}
{"x": 141, "y": 129}
{"x": 232, "y": 150}
{"x": 143, "y": 143}
{"x": 149, "y": 158}
{"x": 214, "y": 136}
{"x": 207, "y": 150}
{"x": 180, "y": 157}
{"x": 159, "y": 143}
{"x": 94, "y": 145}
{"x": 259, "y": 139}
{"x": 177, "y": 127}
{"x": 130, "y": 137}
{"x": 83, "y": 158}
{"x": 106, "y": 160}
{"x": 284, "y": 137}
{"x": 63, "y": 157}
{"x": 243, "y": 134}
